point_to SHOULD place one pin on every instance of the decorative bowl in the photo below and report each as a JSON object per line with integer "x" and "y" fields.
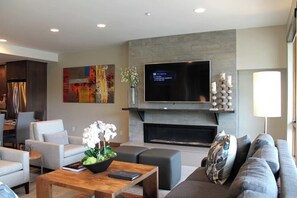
{"x": 99, "y": 166}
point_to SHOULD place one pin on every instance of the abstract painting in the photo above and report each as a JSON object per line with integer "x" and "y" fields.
{"x": 89, "y": 84}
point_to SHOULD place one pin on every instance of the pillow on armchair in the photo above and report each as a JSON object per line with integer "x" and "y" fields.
{"x": 57, "y": 138}
{"x": 221, "y": 157}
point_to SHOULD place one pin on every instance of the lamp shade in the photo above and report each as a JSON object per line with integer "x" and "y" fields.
{"x": 267, "y": 94}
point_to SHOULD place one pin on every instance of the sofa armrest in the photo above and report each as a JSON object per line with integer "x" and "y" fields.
{"x": 17, "y": 156}
{"x": 75, "y": 140}
{"x": 288, "y": 171}
{"x": 203, "y": 162}
{"x": 13, "y": 154}
{"x": 52, "y": 154}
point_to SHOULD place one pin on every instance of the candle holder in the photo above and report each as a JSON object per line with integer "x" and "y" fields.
{"x": 229, "y": 98}
{"x": 223, "y": 94}
{"x": 213, "y": 101}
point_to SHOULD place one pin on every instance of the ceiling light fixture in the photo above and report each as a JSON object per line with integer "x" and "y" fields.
{"x": 3, "y": 40}
{"x": 148, "y": 14}
{"x": 101, "y": 25}
{"x": 55, "y": 30}
{"x": 199, "y": 10}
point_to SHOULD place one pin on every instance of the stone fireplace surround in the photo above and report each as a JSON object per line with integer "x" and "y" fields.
{"x": 219, "y": 47}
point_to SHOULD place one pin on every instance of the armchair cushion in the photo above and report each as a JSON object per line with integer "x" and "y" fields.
{"x": 73, "y": 149}
{"x": 8, "y": 167}
{"x": 57, "y": 137}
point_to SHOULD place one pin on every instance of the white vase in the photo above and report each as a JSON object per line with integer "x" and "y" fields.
{"x": 133, "y": 96}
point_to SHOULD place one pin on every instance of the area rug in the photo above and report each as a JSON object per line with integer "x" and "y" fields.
{"x": 60, "y": 192}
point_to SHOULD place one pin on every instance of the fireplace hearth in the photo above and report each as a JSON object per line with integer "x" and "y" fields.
{"x": 188, "y": 135}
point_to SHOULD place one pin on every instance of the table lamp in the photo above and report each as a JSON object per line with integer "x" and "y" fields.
{"x": 267, "y": 95}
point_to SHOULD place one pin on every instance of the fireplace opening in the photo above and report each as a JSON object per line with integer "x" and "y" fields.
{"x": 188, "y": 135}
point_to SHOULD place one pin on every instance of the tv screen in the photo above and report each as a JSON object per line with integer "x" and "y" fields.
{"x": 177, "y": 82}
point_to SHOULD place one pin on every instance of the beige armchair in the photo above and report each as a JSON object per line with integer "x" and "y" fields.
{"x": 52, "y": 141}
{"x": 14, "y": 168}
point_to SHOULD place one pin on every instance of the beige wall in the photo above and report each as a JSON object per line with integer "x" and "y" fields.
{"x": 248, "y": 123}
{"x": 261, "y": 48}
{"x": 77, "y": 116}
{"x": 257, "y": 48}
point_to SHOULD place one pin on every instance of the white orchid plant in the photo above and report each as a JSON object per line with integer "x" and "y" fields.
{"x": 97, "y": 133}
{"x": 130, "y": 76}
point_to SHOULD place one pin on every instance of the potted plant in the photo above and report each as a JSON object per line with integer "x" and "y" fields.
{"x": 99, "y": 155}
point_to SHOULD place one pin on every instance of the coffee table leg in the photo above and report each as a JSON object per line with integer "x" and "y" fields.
{"x": 150, "y": 186}
{"x": 43, "y": 188}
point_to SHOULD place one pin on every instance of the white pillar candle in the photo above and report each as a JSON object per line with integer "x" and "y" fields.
{"x": 222, "y": 76}
{"x": 229, "y": 81}
{"x": 213, "y": 86}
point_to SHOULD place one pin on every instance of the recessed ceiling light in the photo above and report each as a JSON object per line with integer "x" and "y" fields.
{"x": 199, "y": 10}
{"x": 3, "y": 40}
{"x": 148, "y": 14}
{"x": 101, "y": 25}
{"x": 55, "y": 30}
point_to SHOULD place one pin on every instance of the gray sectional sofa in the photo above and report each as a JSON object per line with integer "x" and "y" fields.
{"x": 259, "y": 174}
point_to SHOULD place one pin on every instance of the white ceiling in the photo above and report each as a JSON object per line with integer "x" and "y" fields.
{"x": 26, "y": 23}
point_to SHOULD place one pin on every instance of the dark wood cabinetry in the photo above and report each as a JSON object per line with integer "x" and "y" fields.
{"x": 3, "y": 88}
{"x": 35, "y": 75}
{"x": 16, "y": 71}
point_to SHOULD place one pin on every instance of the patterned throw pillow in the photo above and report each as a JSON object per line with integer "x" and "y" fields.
{"x": 220, "y": 158}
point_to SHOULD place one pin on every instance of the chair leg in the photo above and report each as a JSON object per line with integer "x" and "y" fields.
{"x": 27, "y": 188}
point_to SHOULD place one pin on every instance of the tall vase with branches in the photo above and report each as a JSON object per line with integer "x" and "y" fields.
{"x": 130, "y": 76}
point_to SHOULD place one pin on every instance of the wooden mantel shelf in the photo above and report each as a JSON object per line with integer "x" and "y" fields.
{"x": 141, "y": 111}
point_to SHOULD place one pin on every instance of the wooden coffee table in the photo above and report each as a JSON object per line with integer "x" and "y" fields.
{"x": 100, "y": 184}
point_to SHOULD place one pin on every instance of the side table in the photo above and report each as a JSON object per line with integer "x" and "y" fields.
{"x": 35, "y": 155}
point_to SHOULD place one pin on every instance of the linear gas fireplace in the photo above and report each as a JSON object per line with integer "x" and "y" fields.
{"x": 189, "y": 135}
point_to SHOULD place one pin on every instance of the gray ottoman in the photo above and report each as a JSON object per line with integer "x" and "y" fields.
{"x": 169, "y": 163}
{"x": 129, "y": 153}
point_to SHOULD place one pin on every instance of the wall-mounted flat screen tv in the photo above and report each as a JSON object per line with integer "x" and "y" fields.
{"x": 177, "y": 82}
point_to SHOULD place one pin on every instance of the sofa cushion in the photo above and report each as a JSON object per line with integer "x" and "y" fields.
{"x": 73, "y": 149}
{"x": 259, "y": 141}
{"x": 194, "y": 189}
{"x": 254, "y": 175}
{"x": 57, "y": 137}
{"x": 220, "y": 159}
{"x": 243, "y": 146}
{"x": 270, "y": 154}
{"x": 8, "y": 167}
{"x": 198, "y": 175}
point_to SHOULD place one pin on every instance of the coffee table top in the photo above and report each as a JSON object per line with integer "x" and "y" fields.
{"x": 88, "y": 182}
